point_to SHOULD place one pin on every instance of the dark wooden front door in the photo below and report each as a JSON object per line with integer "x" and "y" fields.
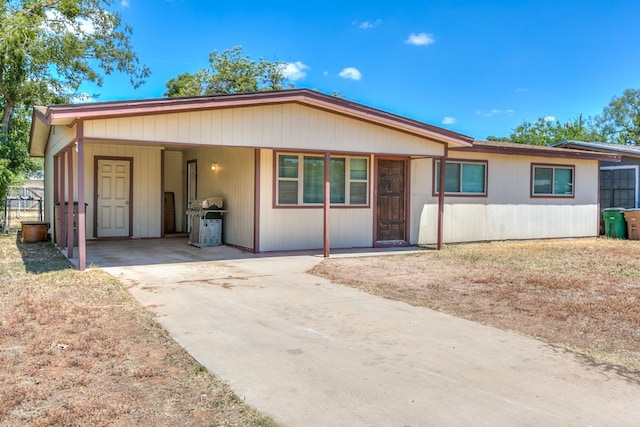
{"x": 390, "y": 224}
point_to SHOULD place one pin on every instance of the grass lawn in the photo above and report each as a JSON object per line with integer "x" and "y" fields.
{"x": 581, "y": 294}
{"x": 77, "y": 350}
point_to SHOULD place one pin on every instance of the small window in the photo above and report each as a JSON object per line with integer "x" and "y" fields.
{"x": 300, "y": 180}
{"x": 288, "y": 180}
{"x": 462, "y": 177}
{"x": 358, "y": 181}
{"x": 552, "y": 180}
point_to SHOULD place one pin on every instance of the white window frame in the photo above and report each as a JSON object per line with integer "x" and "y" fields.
{"x": 300, "y": 180}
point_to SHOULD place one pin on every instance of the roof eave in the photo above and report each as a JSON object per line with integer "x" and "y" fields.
{"x": 67, "y": 114}
{"x": 526, "y": 151}
{"x": 579, "y": 145}
{"x": 39, "y": 133}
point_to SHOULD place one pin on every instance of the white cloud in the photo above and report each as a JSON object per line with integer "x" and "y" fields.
{"x": 521, "y": 89}
{"x": 449, "y": 120}
{"x": 421, "y": 39}
{"x": 367, "y": 25}
{"x": 550, "y": 118}
{"x": 295, "y": 70}
{"x": 350, "y": 73}
{"x": 494, "y": 112}
{"x": 84, "y": 25}
{"x": 124, "y": 3}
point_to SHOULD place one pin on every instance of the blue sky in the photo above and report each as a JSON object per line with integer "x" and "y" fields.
{"x": 475, "y": 67}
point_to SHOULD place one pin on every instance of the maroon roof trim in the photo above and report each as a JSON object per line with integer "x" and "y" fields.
{"x": 304, "y": 96}
{"x": 499, "y": 147}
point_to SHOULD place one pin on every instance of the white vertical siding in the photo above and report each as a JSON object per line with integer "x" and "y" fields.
{"x": 508, "y": 211}
{"x": 268, "y": 126}
{"x": 59, "y": 138}
{"x": 174, "y": 182}
{"x": 233, "y": 179}
{"x": 147, "y": 190}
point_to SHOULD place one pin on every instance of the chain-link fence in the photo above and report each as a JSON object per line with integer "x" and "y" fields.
{"x": 16, "y": 210}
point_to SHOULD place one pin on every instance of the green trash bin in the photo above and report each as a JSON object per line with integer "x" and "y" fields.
{"x": 614, "y": 223}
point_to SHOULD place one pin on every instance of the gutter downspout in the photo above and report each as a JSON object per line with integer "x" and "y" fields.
{"x": 443, "y": 163}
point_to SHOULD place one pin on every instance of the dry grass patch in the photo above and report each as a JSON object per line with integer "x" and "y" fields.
{"x": 75, "y": 349}
{"x": 583, "y": 295}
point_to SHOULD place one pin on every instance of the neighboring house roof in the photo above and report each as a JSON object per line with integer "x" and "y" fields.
{"x": 44, "y": 117}
{"x": 500, "y": 147}
{"x": 603, "y": 147}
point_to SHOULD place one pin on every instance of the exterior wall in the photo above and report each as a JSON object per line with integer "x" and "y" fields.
{"x": 174, "y": 173}
{"x": 508, "y": 211}
{"x": 147, "y": 194}
{"x": 59, "y": 138}
{"x": 233, "y": 179}
{"x": 303, "y": 227}
{"x": 624, "y": 161}
{"x": 269, "y": 126}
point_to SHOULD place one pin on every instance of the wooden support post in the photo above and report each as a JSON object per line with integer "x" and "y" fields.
{"x": 327, "y": 202}
{"x": 443, "y": 162}
{"x": 256, "y": 200}
{"x": 63, "y": 199}
{"x": 70, "y": 242}
{"x": 81, "y": 220}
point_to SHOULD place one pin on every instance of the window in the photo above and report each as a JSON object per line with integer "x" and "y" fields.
{"x": 462, "y": 177}
{"x": 301, "y": 180}
{"x": 552, "y": 180}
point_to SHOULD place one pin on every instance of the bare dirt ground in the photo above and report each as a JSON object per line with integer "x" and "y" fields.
{"x": 582, "y": 295}
{"x": 76, "y": 350}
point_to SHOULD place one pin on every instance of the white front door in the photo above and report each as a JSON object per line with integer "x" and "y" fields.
{"x": 114, "y": 179}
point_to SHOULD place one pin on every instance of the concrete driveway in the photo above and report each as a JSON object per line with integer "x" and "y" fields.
{"x": 311, "y": 353}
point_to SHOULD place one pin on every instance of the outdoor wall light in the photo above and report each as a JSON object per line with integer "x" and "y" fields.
{"x": 214, "y": 166}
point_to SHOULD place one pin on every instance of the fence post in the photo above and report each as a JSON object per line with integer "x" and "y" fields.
{"x": 4, "y": 222}
{"x": 40, "y": 216}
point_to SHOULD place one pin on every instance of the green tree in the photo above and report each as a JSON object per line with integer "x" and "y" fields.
{"x": 48, "y": 48}
{"x": 620, "y": 120}
{"x": 230, "y": 72}
{"x": 546, "y": 132}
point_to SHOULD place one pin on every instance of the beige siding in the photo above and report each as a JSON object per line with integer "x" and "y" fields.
{"x": 147, "y": 191}
{"x": 233, "y": 179}
{"x": 303, "y": 228}
{"x": 48, "y": 189}
{"x": 60, "y": 137}
{"x": 174, "y": 172}
{"x": 276, "y": 126}
{"x": 508, "y": 211}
